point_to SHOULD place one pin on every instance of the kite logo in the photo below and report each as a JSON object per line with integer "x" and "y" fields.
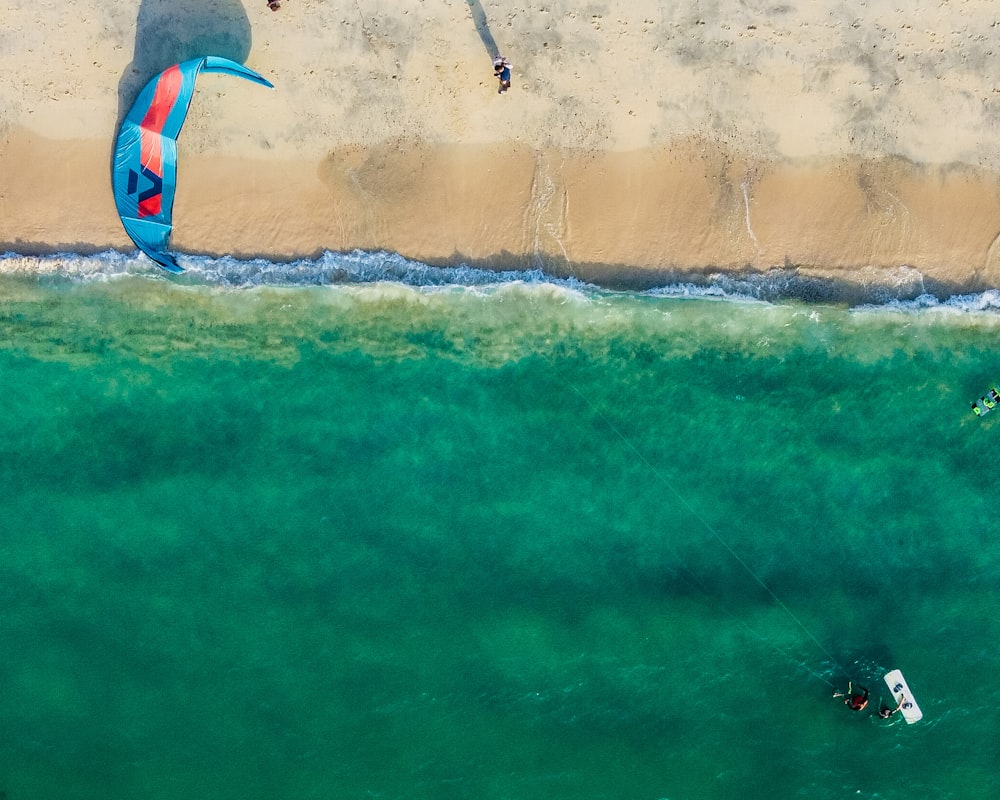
{"x": 153, "y": 193}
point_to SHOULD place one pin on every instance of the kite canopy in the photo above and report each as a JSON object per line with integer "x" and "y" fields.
{"x": 145, "y": 168}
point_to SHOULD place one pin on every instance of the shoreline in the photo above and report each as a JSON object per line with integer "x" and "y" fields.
{"x": 361, "y": 267}
{"x": 615, "y": 219}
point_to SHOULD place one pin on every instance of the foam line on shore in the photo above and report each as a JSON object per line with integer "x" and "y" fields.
{"x": 361, "y": 267}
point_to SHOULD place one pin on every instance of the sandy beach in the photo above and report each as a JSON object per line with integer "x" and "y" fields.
{"x": 852, "y": 141}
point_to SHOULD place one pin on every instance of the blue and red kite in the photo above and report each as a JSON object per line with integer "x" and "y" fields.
{"x": 145, "y": 167}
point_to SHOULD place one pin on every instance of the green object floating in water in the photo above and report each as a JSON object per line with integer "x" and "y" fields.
{"x": 984, "y": 405}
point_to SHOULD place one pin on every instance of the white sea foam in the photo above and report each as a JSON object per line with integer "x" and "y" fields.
{"x": 366, "y": 267}
{"x": 328, "y": 269}
{"x": 987, "y": 301}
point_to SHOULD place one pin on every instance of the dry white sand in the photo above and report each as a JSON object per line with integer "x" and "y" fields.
{"x": 846, "y": 139}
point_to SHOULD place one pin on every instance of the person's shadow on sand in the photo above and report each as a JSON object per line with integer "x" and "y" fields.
{"x": 479, "y": 18}
{"x": 171, "y": 31}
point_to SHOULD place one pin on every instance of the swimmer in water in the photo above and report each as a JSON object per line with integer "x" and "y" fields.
{"x": 885, "y": 711}
{"x": 855, "y": 700}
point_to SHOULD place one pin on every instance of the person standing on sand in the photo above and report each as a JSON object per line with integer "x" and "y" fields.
{"x": 274, "y": 5}
{"x": 501, "y": 69}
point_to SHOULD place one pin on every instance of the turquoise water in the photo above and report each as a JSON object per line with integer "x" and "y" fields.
{"x": 376, "y": 540}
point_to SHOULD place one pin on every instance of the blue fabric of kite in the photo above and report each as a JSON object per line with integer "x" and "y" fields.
{"x": 144, "y": 174}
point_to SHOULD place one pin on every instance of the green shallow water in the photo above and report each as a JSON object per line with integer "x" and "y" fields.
{"x": 383, "y": 542}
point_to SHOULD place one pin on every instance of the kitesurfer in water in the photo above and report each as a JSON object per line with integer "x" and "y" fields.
{"x": 501, "y": 69}
{"x": 855, "y": 700}
{"x": 885, "y": 711}
{"x": 986, "y": 404}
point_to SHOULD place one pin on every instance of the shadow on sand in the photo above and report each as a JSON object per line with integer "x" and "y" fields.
{"x": 168, "y": 32}
{"x": 483, "y": 28}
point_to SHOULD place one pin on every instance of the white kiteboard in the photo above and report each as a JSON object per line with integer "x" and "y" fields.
{"x": 897, "y": 685}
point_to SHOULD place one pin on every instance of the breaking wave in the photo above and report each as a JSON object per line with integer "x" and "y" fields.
{"x": 907, "y": 294}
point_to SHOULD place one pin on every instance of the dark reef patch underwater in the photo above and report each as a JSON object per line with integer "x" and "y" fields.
{"x": 471, "y": 538}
